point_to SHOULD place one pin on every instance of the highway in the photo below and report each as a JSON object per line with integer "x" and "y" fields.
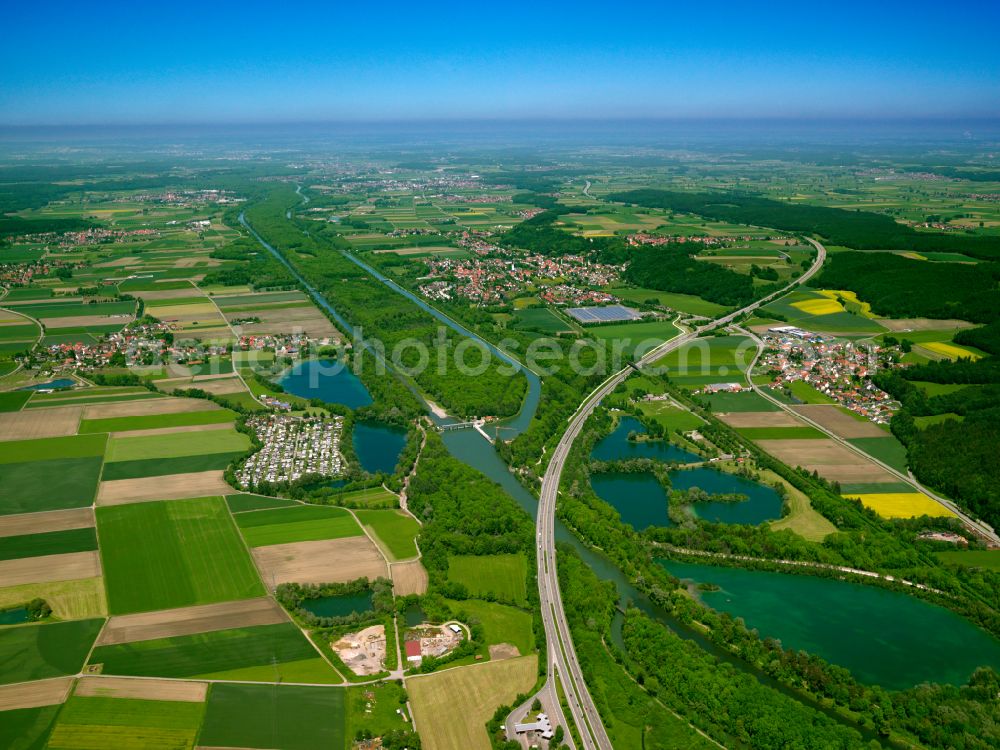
{"x": 561, "y": 653}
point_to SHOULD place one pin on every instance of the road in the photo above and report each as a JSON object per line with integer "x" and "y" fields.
{"x": 987, "y": 533}
{"x": 561, "y": 653}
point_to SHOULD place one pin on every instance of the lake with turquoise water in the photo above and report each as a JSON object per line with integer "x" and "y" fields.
{"x": 329, "y": 380}
{"x": 638, "y": 497}
{"x": 884, "y": 637}
{"x": 339, "y": 606}
{"x": 378, "y": 446}
{"x": 617, "y": 446}
{"x": 762, "y": 504}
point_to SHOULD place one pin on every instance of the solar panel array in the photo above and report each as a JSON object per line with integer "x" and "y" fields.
{"x": 609, "y": 314}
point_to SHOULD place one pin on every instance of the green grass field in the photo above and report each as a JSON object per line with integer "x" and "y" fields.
{"x": 13, "y": 400}
{"x": 158, "y": 467}
{"x": 303, "y": 523}
{"x": 372, "y": 708}
{"x": 781, "y": 433}
{"x": 687, "y": 303}
{"x": 36, "y": 652}
{"x": 650, "y": 333}
{"x": 50, "y": 543}
{"x": 27, "y": 728}
{"x": 886, "y": 449}
{"x": 501, "y": 623}
{"x": 190, "y": 553}
{"x": 747, "y": 401}
{"x": 373, "y": 497}
{"x": 540, "y": 319}
{"x": 32, "y": 486}
{"x": 215, "y": 654}
{"x": 127, "y": 723}
{"x": 979, "y": 558}
{"x": 177, "y": 444}
{"x": 395, "y": 530}
{"x": 288, "y": 717}
{"x": 77, "y": 446}
{"x": 502, "y": 575}
{"x": 710, "y": 359}
{"x": 156, "y": 421}
{"x": 807, "y": 394}
{"x": 669, "y": 416}
{"x": 244, "y": 502}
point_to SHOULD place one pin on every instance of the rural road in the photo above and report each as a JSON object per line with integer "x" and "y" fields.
{"x": 560, "y": 643}
{"x": 976, "y": 527}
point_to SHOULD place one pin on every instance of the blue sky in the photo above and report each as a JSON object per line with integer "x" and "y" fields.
{"x": 145, "y": 62}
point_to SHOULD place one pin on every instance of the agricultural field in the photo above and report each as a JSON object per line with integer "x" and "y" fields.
{"x": 828, "y": 311}
{"x": 261, "y": 716}
{"x": 504, "y": 576}
{"x": 50, "y": 473}
{"x": 671, "y": 417}
{"x": 191, "y": 554}
{"x": 467, "y": 695}
{"x": 89, "y": 722}
{"x": 36, "y": 652}
{"x": 302, "y": 523}
{"x": 157, "y": 421}
{"x": 261, "y": 653}
{"x": 708, "y": 360}
{"x": 541, "y": 319}
{"x": 79, "y": 599}
{"x": 395, "y": 531}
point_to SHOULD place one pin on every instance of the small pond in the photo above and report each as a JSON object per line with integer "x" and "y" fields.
{"x": 51, "y": 385}
{"x": 414, "y": 615}
{"x": 14, "y": 616}
{"x": 339, "y": 606}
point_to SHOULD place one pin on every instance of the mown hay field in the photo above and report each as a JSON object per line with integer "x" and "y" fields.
{"x": 467, "y": 696}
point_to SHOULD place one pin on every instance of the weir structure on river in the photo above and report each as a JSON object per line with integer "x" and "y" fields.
{"x": 475, "y": 450}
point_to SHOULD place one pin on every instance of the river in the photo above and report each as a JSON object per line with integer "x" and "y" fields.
{"x": 470, "y": 447}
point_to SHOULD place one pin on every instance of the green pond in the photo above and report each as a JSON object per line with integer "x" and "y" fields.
{"x": 339, "y": 606}
{"x": 13, "y": 616}
{"x": 378, "y": 446}
{"x": 884, "y": 637}
{"x": 638, "y": 497}
{"x": 414, "y": 615}
{"x": 617, "y": 446}
{"x": 762, "y": 503}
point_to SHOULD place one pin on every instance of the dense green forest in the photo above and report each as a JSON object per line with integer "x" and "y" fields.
{"x": 675, "y": 269}
{"x": 901, "y": 287}
{"x": 383, "y": 315}
{"x": 956, "y": 455}
{"x": 862, "y": 230}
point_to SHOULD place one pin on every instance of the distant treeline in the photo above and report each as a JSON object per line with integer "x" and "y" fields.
{"x": 862, "y": 230}
{"x": 900, "y": 287}
{"x": 11, "y": 225}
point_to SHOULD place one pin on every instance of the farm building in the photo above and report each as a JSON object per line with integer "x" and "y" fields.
{"x": 413, "y": 652}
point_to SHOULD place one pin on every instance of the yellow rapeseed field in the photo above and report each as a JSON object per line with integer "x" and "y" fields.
{"x": 903, "y": 504}
{"x": 818, "y": 306}
{"x": 864, "y": 308}
{"x": 949, "y": 350}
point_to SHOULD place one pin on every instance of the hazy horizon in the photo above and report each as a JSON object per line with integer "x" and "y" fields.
{"x": 246, "y": 63}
